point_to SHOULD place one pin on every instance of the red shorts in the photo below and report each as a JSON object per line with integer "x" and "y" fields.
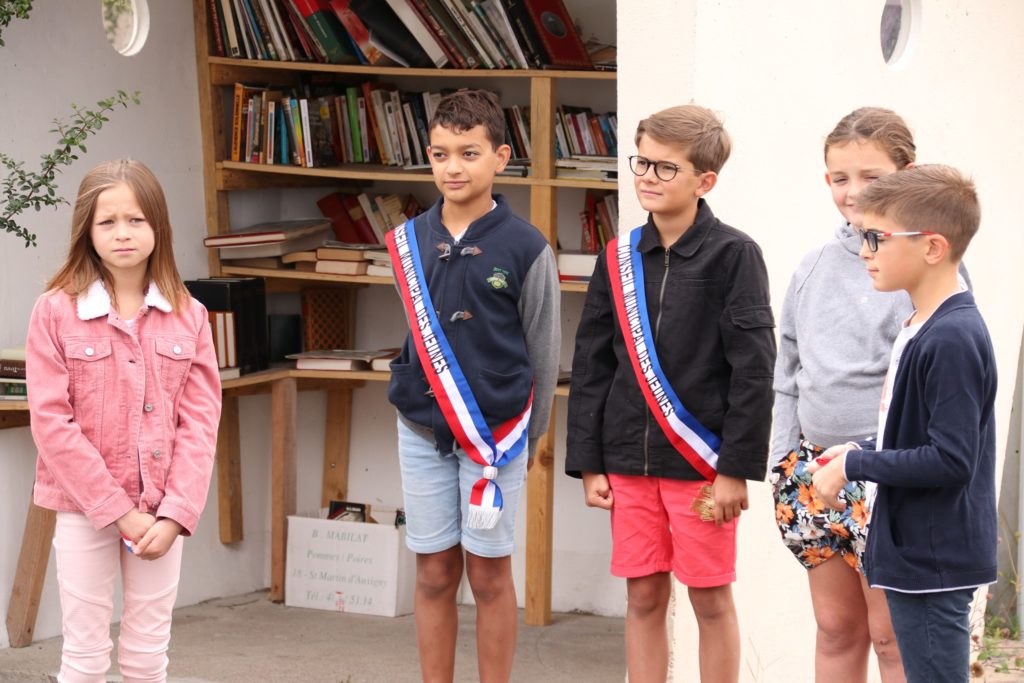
{"x": 654, "y": 529}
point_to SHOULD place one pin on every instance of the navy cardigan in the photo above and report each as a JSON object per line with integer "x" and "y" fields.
{"x": 933, "y": 525}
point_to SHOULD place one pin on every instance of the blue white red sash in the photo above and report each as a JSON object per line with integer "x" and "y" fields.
{"x": 489, "y": 449}
{"x": 694, "y": 442}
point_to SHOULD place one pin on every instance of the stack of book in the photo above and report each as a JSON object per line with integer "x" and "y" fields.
{"x": 464, "y": 34}
{"x": 344, "y": 359}
{"x": 338, "y": 258}
{"x": 270, "y": 240}
{"x": 12, "y": 375}
{"x": 379, "y": 263}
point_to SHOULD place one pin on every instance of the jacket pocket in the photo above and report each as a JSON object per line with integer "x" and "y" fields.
{"x": 502, "y": 396}
{"x": 405, "y": 383}
{"x": 752, "y": 317}
{"x": 174, "y": 358}
{"x": 89, "y": 371}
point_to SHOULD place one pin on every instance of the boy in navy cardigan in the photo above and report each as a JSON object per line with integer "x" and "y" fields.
{"x": 932, "y": 535}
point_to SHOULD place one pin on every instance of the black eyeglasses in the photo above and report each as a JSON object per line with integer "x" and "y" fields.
{"x": 873, "y": 237}
{"x": 665, "y": 170}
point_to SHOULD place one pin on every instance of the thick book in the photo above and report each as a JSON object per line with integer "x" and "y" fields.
{"x": 249, "y": 251}
{"x": 379, "y": 270}
{"x": 12, "y": 362}
{"x": 268, "y": 233}
{"x": 360, "y": 219}
{"x": 222, "y": 324}
{"x": 369, "y": 43}
{"x": 245, "y": 297}
{"x": 336, "y": 359}
{"x": 342, "y": 251}
{"x": 558, "y": 34}
{"x": 383, "y": 363}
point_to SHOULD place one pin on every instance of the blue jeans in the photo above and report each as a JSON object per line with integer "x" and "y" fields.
{"x": 933, "y": 634}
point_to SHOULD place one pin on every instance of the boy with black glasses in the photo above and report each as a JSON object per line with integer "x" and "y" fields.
{"x": 671, "y": 397}
{"x": 932, "y": 538}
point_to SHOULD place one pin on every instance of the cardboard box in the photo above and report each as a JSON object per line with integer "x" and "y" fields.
{"x": 349, "y": 567}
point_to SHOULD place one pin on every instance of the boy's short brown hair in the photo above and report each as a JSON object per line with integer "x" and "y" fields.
{"x": 930, "y": 197}
{"x": 466, "y": 109}
{"x": 694, "y": 128}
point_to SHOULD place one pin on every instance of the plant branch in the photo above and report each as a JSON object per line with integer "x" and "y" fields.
{"x": 23, "y": 189}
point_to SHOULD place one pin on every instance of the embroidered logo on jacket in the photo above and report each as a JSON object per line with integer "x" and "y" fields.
{"x": 498, "y": 279}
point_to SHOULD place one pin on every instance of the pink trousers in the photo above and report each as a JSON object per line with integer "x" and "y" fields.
{"x": 87, "y": 564}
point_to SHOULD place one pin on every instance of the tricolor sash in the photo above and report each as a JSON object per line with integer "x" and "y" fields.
{"x": 489, "y": 449}
{"x": 694, "y": 442}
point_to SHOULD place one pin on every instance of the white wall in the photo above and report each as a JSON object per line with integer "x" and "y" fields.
{"x": 782, "y": 74}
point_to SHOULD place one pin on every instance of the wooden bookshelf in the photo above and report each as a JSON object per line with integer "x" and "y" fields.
{"x": 216, "y": 76}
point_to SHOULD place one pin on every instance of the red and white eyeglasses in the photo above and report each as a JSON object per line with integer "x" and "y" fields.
{"x": 873, "y": 237}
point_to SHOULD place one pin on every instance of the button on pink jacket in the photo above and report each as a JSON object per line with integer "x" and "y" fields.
{"x": 122, "y": 420}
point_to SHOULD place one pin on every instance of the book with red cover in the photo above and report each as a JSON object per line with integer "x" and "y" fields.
{"x": 325, "y": 29}
{"x": 333, "y": 208}
{"x": 558, "y": 34}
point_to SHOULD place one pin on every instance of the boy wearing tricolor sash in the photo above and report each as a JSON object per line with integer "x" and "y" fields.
{"x": 671, "y": 396}
{"x": 473, "y": 385}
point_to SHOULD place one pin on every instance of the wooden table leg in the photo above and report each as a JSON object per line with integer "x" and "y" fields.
{"x": 336, "y": 444}
{"x": 29, "y": 575}
{"x": 229, "y": 473}
{"x": 540, "y": 489}
{"x": 283, "y": 478}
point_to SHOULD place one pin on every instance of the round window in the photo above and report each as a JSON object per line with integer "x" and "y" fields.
{"x": 898, "y": 17}
{"x": 126, "y": 23}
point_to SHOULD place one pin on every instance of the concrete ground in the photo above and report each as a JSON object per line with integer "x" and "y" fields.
{"x": 247, "y": 638}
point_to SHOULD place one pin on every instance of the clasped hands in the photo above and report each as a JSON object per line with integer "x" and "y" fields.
{"x": 829, "y": 474}
{"x": 151, "y": 537}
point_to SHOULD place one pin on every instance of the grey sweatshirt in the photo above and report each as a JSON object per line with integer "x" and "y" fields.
{"x": 836, "y": 335}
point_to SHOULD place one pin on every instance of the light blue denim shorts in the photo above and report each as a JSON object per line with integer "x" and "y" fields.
{"x": 436, "y": 490}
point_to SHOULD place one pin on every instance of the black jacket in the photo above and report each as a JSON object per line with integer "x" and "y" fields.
{"x": 934, "y": 524}
{"x": 715, "y": 344}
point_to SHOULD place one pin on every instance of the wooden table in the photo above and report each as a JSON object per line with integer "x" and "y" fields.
{"x": 283, "y": 386}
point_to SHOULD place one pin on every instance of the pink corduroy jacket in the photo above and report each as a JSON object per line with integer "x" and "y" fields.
{"x": 122, "y": 421}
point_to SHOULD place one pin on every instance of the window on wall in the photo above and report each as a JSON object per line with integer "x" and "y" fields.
{"x": 126, "y": 23}
{"x": 897, "y": 19}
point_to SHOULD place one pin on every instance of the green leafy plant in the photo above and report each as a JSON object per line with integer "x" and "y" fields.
{"x": 13, "y": 9}
{"x": 24, "y": 188}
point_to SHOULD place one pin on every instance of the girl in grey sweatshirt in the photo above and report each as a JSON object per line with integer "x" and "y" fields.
{"x": 836, "y": 335}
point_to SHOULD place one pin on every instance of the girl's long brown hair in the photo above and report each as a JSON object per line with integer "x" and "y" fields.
{"x": 83, "y": 265}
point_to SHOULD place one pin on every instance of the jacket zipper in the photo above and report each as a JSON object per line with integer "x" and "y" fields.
{"x": 657, "y": 326}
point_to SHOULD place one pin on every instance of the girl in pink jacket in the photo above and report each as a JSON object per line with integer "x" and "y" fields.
{"x": 125, "y": 400}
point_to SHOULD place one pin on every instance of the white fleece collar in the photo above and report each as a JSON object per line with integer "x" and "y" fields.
{"x": 96, "y": 302}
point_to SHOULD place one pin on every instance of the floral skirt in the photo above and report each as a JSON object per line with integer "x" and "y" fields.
{"x": 812, "y": 531}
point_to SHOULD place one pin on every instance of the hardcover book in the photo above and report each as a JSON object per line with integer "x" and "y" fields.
{"x": 268, "y": 233}
{"x": 336, "y": 359}
{"x": 558, "y": 34}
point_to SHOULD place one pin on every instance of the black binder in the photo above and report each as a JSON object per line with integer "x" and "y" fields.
{"x": 246, "y": 298}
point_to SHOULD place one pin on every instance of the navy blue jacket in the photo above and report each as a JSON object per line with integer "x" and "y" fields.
{"x": 476, "y": 291}
{"x": 933, "y": 526}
